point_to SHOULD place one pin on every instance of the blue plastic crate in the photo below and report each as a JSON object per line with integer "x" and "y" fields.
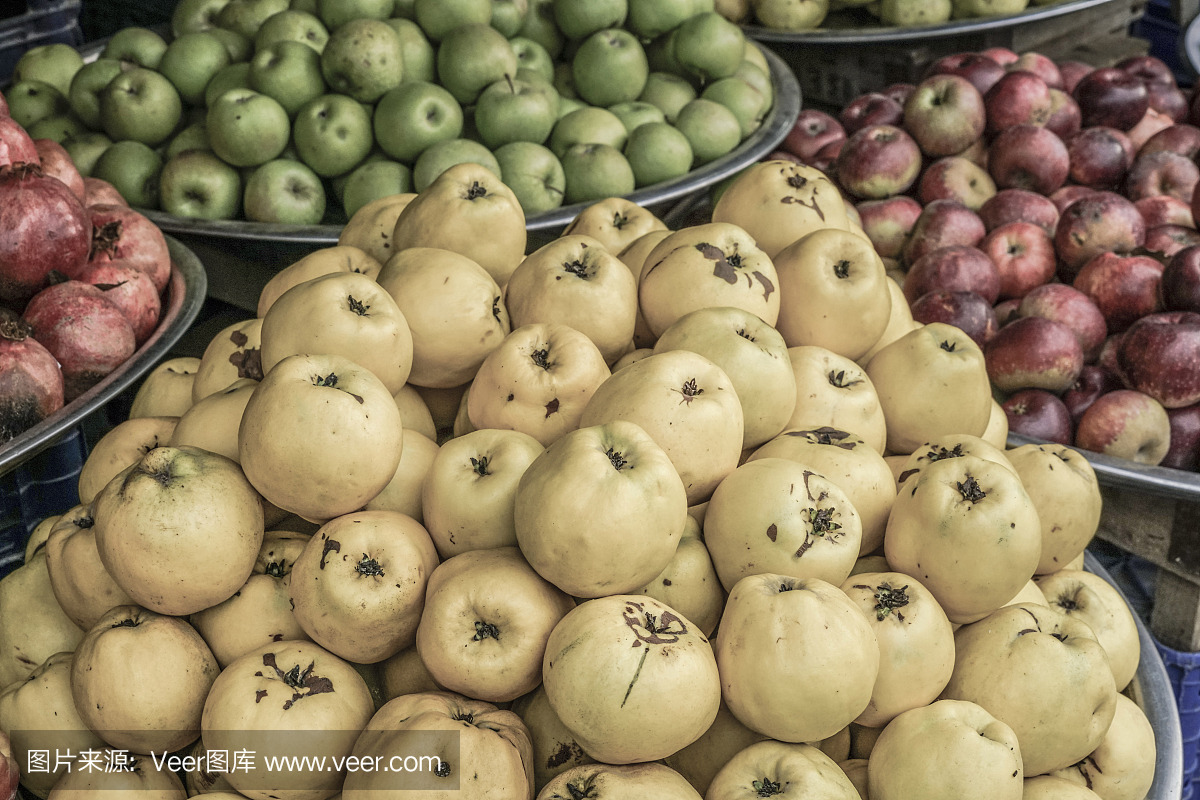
{"x": 43, "y": 23}
{"x": 44, "y": 485}
{"x": 1184, "y": 671}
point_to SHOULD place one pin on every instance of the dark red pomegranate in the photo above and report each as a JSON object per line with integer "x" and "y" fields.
{"x": 97, "y": 191}
{"x": 131, "y": 290}
{"x": 31, "y": 384}
{"x": 84, "y": 330}
{"x": 15, "y": 145}
{"x": 43, "y": 227}
{"x": 57, "y": 163}
{"x": 121, "y": 234}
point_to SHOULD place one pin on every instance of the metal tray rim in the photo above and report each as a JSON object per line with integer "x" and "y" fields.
{"x": 886, "y": 35}
{"x": 185, "y": 296}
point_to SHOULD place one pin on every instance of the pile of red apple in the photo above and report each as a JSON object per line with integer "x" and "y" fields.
{"x": 1047, "y": 209}
{"x": 81, "y": 279}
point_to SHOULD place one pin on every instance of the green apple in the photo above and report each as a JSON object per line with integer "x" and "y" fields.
{"x": 58, "y": 127}
{"x": 198, "y": 185}
{"x": 746, "y": 102}
{"x": 190, "y": 63}
{"x": 540, "y": 26}
{"x": 413, "y": 116}
{"x": 288, "y": 71}
{"x": 193, "y": 137}
{"x": 635, "y": 113}
{"x": 194, "y": 16}
{"x": 373, "y": 180}
{"x": 86, "y": 86}
{"x": 246, "y": 128}
{"x": 579, "y": 19}
{"x": 588, "y": 125}
{"x": 709, "y": 46}
{"x": 793, "y": 15}
{"x": 532, "y": 56}
{"x": 140, "y": 46}
{"x": 538, "y": 79}
{"x": 33, "y": 100}
{"x": 660, "y": 54}
{"x": 234, "y": 76}
{"x": 751, "y": 73}
{"x": 336, "y": 13}
{"x": 363, "y": 60}
{"x": 240, "y": 47}
{"x": 596, "y": 171}
{"x": 669, "y": 92}
{"x": 566, "y": 105}
{"x": 564, "y": 80}
{"x": 247, "y": 16}
{"x": 439, "y": 17}
{"x": 416, "y": 51}
{"x": 133, "y": 168}
{"x": 534, "y": 174}
{"x": 292, "y": 26}
{"x": 710, "y": 128}
{"x": 509, "y": 15}
{"x": 307, "y": 6}
{"x": 142, "y": 105}
{"x": 55, "y": 64}
{"x": 658, "y": 151}
{"x": 85, "y": 149}
{"x": 610, "y": 67}
{"x": 515, "y": 111}
{"x": 910, "y": 14}
{"x": 650, "y": 19}
{"x": 473, "y": 57}
{"x": 284, "y": 192}
{"x": 440, "y": 156}
{"x": 332, "y": 134}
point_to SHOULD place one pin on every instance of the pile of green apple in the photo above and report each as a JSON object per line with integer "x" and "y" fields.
{"x": 295, "y": 112}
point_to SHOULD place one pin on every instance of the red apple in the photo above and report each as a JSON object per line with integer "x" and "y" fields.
{"x": 1160, "y": 356}
{"x": 1019, "y": 98}
{"x": 1019, "y": 205}
{"x": 976, "y": 153}
{"x": 1065, "y": 118}
{"x": 888, "y": 222}
{"x": 1125, "y": 424}
{"x": 1061, "y": 198}
{"x": 1006, "y": 311}
{"x": 1039, "y": 65}
{"x": 1100, "y": 222}
{"x": 1151, "y": 123}
{"x": 957, "y": 268}
{"x": 1111, "y": 97}
{"x": 1164, "y": 209}
{"x": 877, "y": 162}
{"x": 966, "y": 311}
{"x": 826, "y": 158}
{"x": 1124, "y": 288}
{"x": 1033, "y": 353}
{"x": 1038, "y": 414}
{"x": 942, "y": 223}
{"x": 784, "y": 155}
{"x": 870, "y": 109}
{"x": 812, "y": 130}
{"x": 1168, "y": 100}
{"x": 956, "y": 178}
{"x": 1024, "y": 257}
{"x": 1184, "y": 452}
{"x": 944, "y": 114}
{"x": 1167, "y": 240}
{"x": 899, "y": 91}
{"x": 1147, "y": 69}
{"x": 1001, "y": 55}
{"x": 1093, "y": 381}
{"x": 1071, "y": 307}
{"x": 1108, "y": 357}
{"x": 980, "y": 70}
{"x": 1180, "y": 138}
{"x": 1162, "y": 173}
{"x": 1180, "y": 284}
{"x": 1099, "y": 157}
{"x": 1028, "y": 157}
{"x": 1071, "y": 72}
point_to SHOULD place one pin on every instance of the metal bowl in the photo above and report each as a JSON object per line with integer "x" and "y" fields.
{"x": 880, "y": 34}
{"x": 181, "y": 304}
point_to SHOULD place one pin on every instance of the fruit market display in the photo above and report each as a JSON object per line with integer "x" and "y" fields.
{"x": 646, "y": 513}
{"x": 292, "y": 113}
{"x": 81, "y": 279}
{"x": 1048, "y": 210}
{"x": 798, "y": 17}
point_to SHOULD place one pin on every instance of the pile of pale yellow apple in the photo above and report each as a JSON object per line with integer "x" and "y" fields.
{"x": 1049, "y": 210}
{"x": 645, "y": 513}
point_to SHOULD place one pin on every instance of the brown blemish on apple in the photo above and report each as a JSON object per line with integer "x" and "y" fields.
{"x": 772, "y": 531}
{"x": 304, "y": 682}
{"x": 259, "y": 695}
{"x": 566, "y": 752}
{"x": 331, "y": 546}
{"x": 551, "y": 408}
{"x": 248, "y": 362}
